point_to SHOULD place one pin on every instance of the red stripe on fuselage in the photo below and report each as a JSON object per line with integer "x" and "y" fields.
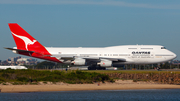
{"x": 38, "y": 55}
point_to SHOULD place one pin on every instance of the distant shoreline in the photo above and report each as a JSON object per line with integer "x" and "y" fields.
{"x": 118, "y": 85}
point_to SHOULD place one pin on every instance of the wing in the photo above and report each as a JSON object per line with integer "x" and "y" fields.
{"x": 90, "y": 59}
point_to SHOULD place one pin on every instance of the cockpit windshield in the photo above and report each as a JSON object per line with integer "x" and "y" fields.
{"x": 163, "y": 47}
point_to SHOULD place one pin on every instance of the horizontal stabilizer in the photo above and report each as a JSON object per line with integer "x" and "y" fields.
{"x": 18, "y": 50}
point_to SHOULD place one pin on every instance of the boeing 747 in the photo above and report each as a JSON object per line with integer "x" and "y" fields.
{"x": 101, "y": 57}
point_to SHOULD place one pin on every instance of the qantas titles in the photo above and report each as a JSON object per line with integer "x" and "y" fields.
{"x": 141, "y": 52}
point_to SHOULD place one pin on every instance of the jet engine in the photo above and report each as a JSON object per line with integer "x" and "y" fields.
{"x": 105, "y": 63}
{"x": 79, "y": 62}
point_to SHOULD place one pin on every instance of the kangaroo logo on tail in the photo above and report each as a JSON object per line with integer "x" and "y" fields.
{"x": 26, "y": 40}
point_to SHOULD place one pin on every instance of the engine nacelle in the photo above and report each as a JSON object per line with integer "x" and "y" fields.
{"x": 105, "y": 63}
{"x": 79, "y": 62}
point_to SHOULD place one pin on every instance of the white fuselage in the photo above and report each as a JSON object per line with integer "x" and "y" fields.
{"x": 133, "y": 54}
{"x": 99, "y": 57}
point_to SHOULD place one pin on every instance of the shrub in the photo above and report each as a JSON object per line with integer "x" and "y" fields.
{"x": 18, "y": 83}
{"x": 5, "y": 75}
{"x": 2, "y": 79}
{"x": 71, "y": 77}
{"x": 23, "y": 79}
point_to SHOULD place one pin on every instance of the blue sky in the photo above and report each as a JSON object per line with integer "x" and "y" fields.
{"x": 92, "y": 23}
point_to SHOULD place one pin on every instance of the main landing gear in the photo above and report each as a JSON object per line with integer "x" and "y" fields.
{"x": 95, "y": 67}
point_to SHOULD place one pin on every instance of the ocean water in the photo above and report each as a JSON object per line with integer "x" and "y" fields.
{"x": 104, "y": 95}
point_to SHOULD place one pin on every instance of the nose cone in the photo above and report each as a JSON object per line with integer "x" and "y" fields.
{"x": 174, "y": 56}
{"x": 170, "y": 56}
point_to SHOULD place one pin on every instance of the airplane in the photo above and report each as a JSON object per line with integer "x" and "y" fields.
{"x": 113, "y": 56}
{"x": 12, "y": 67}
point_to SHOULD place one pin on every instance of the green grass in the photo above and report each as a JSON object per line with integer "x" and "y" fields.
{"x": 34, "y": 76}
{"x": 34, "y": 83}
{"x": 4, "y": 83}
{"x": 18, "y": 83}
{"x": 29, "y": 76}
{"x": 135, "y": 80}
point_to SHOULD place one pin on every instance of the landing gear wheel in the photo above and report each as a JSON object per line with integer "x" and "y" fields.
{"x": 96, "y": 68}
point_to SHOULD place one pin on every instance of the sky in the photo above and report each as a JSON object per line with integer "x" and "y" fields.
{"x": 92, "y": 23}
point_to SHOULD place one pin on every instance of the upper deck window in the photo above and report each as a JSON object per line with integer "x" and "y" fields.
{"x": 132, "y": 48}
{"x": 163, "y": 47}
{"x": 146, "y": 48}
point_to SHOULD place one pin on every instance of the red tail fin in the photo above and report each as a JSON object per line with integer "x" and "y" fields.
{"x": 25, "y": 41}
{"x": 27, "y": 45}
